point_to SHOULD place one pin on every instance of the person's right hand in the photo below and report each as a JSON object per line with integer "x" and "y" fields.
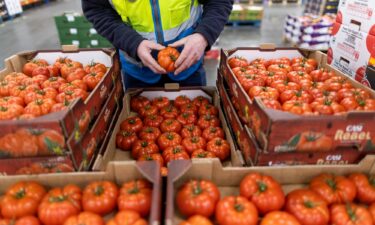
{"x": 144, "y": 53}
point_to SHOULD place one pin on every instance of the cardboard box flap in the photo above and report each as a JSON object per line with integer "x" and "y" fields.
{"x": 69, "y": 48}
{"x": 267, "y": 46}
{"x": 172, "y": 86}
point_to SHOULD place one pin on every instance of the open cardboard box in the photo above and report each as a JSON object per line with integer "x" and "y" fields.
{"x": 228, "y": 179}
{"x": 352, "y": 130}
{"x": 114, "y": 172}
{"x": 170, "y": 91}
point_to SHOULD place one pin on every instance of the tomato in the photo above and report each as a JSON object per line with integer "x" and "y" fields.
{"x": 314, "y": 142}
{"x": 100, "y": 197}
{"x": 46, "y": 93}
{"x": 271, "y": 77}
{"x": 263, "y": 92}
{"x": 219, "y": 147}
{"x": 170, "y": 125}
{"x": 176, "y": 152}
{"x": 138, "y": 102}
{"x": 297, "y": 107}
{"x": 281, "y": 85}
{"x": 190, "y": 131}
{"x": 371, "y": 209}
{"x": 279, "y": 218}
{"x": 343, "y": 214}
{"x": 200, "y": 154}
{"x": 10, "y": 100}
{"x": 41, "y": 70}
{"x": 297, "y": 76}
{"x": 76, "y": 84}
{"x": 239, "y": 71}
{"x": 366, "y": 105}
{"x": 36, "y": 80}
{"x": 22, "y": 199}
{"x": 141, "y": 147}
{"x": 323, "y": 94}
{"x": 336, "y": 83}
{"x": 69, "y": 68}
{"x": 265, "y": 192}
{"x": 92, "y": 79}
{"x": 39, "y": 107}
{"x": 334, "y": 189}
{"x": 302, "y": 96}
{"x": 153, "y": 121}
{"x": 27, "y": 220}
{"x": 71, "y": 95}
{"x": 248, "y": 81}
{"x": 187, "y": 118}
{"x": 321, "y": 75}
{"x": 60, "y": 106}
{"x": 149, "y": 133}
{"x": 127, "y": 217}
{"x": 308, "y": 207}
{"x": 59, "y": 204}
{"x": 208, "y": 109}
{"x": 148, "y": 110}
{"x": 5, "y": 87}
{"x": 85, "y": 218}
{"x": 136, "y": 195}
{"x": 197, "y": 198}
{"x": 193, "y": 143}
{"x": 190, "y": 108}
{"x": 208, "y": 120}
{"x": 77, "y": 74}
{"x": 303, "y": 67}
{"x": 357, "y": 93}
{"x": 10, "y": 111}
{"x": 22, "y": 90}
{"x": 365, "y": 187}
{"x": 134, "y": 124}
{"x": 61, "y": 61}
{"x": 197, "y": 220}
{"x": 167, "y": 57}
{"x": 29, "y": 67}
{"x": 200, "y": 100}
{"x": 325, "y": 106}
{"x": 272, "y": 104}
{"x": 95, "y": 67}
{"x": 22, "y": 143}
{"x": 153, "y": 157}
{"x": 237, "y": 62}
{"x": 50, "y": 142}
{"x": 161, "y": 102}
{"x": 212, "y": 132}
{"x": 282, "y": 60}
{"x": 236, "y": 210}
{"x": 169, "y": 139}
{"x": 279, "y": 68}
{"x": 169, "y": 112}
{"x": 181, "y": 100}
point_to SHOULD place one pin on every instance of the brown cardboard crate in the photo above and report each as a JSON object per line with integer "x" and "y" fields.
{"x": 351, "y": 130}
{"x": 254, "y": 155}
{"x": 73, "y": 122}
{"x": 228, "y": 179}
{"x": 111, "y": 153}
{"x": 114, "y": 172}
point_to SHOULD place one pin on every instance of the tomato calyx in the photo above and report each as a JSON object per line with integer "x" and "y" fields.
{"x": 239, "y": 207}
{"x": 149, "y": 130}
{"x": 131, "y": 121}
{"x": 41, "y": 92}
{"x": 194, "y": 140}
{"x": 39, "y": 102}
{"x": 172, "y": 57}
{"x": 350, "y": 212}
{"x": 176, "y": 150}
{"x": 134, "y": 190}
{"x": 371, "y": 180}
{"x": 170, "y": 136}
{"x": 202, "y": 155}
{"x": 57, "y": 199}
{"x": 218, "y": 142}
{"x": 20, "y": 194}
{"x": 148, "y": 158}
{"x": 69, "y": 92}
{"x": 52, "y": 79}
{"x": 331, "y": 183}
{"x": 197, "y": 189}
{"x": 99, "y": 190}
{"x": 309, "y": 204}
{"x": 262, "y": 187}
{"x": 3, "y": 108}
{"x": 213, "y": 130}
{"x": 144, "y": 144}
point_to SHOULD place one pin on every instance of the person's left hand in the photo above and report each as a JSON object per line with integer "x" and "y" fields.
{"x": 194, "y": 46}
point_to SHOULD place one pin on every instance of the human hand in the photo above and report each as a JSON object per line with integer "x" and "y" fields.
{"x": 144, "y": 53}
{"x": 194, "y": 46}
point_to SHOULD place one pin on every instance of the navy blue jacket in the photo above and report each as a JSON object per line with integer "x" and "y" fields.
{"x": 108, "y": 23}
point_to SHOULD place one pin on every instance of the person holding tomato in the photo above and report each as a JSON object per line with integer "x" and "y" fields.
{"x": 141, "y": 28}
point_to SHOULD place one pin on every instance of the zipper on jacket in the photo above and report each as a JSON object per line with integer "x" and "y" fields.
{"x": 157, "y": 21}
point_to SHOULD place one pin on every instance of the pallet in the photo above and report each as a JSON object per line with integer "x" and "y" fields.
{"x": 255, "y": 23}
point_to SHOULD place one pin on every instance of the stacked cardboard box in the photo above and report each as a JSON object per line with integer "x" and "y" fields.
{"x": 246, "y": 13}
{"x": 74, "y": 29}
{"x": 352, "y": 46}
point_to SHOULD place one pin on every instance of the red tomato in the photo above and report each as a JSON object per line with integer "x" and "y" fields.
{"x": 181, "y": 100}
{"x": 282, "y": 86}
{"x": 169, "y": 139}
{"x": 161, "y": 102}
{"x": 134, "y": 124}
{"x": 279, "y": 218}
{"x": 237, "y": 62}
{"x": 141, "y": 147}
{"x": 187, "y": 118}
{"x": 153, "y": 121}
{"x": 263, "y": 92}
{"x": 297, "y": 76}
{"x": 138, "y": 102}
{"x": 343, "y": 214}
{"x": 175, "y": 153}
{"x": 272, "y": 104}
{"x": 208, "y": 121}
{"x": 190, "y": 108}
{"x": 321, "y": 75}
{"x": 193, "y": 143}
{"x": 250, "y": 80}
{"x": 148, "y": 110}
{"x": 136, "y": 195}
{"x": 212, "y": 132}
{"x": 200, "y": 100}
{"x": 303, "y": 67}
{"x": 170, "y": 125}
{"x": 237, "y": 210}
{"x": 365, "y": 187}
{"x": 219, "y": 147}
{"x": 149, "y": 133}
{"x": 169, "y": 112}
{"x": 325, "y": 106}
{"x": 100, "y": 197}
{"x": 208, "y": 109}
{"x": 279, "y": 68}
{"x": 302, "y": 96}
{"x": 190, "y": 131}
{"x": 297, "y": 107}
{"x": 125, "y": 140}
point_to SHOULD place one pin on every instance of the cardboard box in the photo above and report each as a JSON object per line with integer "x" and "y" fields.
{"x": 228, "y": 179}
{"x": 114, "y": 172}
{"x": 358, "y": 14}
{"x": 254, "y": 155}
{"x": 278, "y": 131}
{"x": 111, "y": 153}
{"x": 370, "y": 76}
{"x": 351, "y": 51}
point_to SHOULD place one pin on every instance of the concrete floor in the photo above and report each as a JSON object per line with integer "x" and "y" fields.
{"x": 36, "y": 30}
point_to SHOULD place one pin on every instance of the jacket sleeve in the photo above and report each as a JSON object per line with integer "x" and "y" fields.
{"x": 215, "y": 16}
{"x": 109, "y": 24}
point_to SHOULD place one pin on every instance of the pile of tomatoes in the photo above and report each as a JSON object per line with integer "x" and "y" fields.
{"x": 328, "y": 199}
{"x": 178, "y": 129}
{"x": 29, "y": 203}
{"x": 297, "y": 86}
{"x": 45, "y": 167}
{"x": 44, "y": 88}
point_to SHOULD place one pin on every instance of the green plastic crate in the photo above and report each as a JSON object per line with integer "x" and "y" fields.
{"x": 72, "y": 20}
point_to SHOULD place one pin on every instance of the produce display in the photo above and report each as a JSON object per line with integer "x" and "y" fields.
{"x": 297, "y": 86}
{"x": 328, "y": 199}
{"x": 28, "y": 202}
{"x": 42, "y": 88}
{"x": 166, "y": 130}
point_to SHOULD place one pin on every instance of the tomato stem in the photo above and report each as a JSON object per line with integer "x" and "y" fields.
{"x": 197, "y": 189}
{"x": 262, "y": 187}
{"x": 331, "y": 183}
{"x": 350, "y": 212}
{"x": 134, "y": 190}
{"x": 309, "y": 204}
{"x": 20, "y": 194}
{"x": 99, "y": 190}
